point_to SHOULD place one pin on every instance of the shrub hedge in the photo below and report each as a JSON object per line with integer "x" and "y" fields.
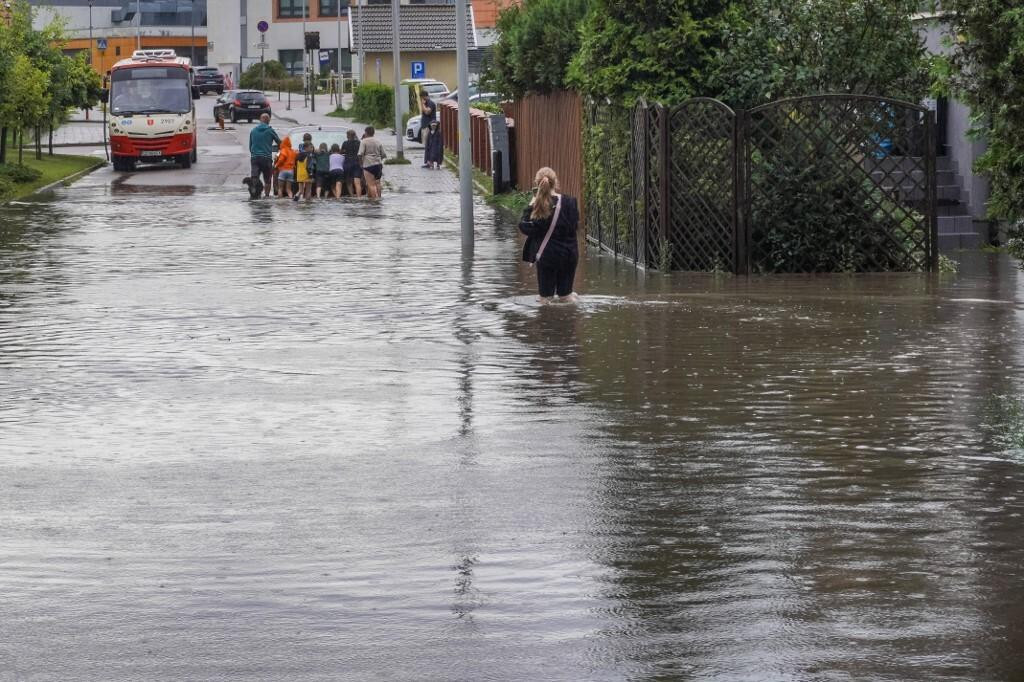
{"x": 373, "y": 103}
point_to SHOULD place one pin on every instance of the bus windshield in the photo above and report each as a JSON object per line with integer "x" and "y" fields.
{"x": 150, "y": 90}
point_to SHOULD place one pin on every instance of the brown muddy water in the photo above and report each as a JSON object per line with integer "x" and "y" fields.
{"x": 266, "y": 441}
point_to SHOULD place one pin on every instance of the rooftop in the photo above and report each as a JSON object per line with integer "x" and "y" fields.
{"x": 424, "y": 27}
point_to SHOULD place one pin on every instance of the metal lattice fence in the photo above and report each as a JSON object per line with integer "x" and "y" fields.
{"x": 824, "y": 183}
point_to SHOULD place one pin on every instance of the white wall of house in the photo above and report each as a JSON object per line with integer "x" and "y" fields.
{"x": 963, "y": 151}
{"x": 224, "y": 37}
{"x": 229, "y": 20}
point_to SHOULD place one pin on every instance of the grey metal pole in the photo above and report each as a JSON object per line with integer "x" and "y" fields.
{"x": 305, "y": 57}
{"x": 465, "y": 142}
{"x": 91, "y": 43}
{"x": 362, "y": 54}
{"x": 138, "y": 28}
{"x": 338, "y": 65}
{"x": 396, "y": 58}
{"x": 192, "y": 21}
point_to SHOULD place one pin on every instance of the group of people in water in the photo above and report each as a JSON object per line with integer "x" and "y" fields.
{"x": 302, "y": 171}
{"x": 550, "y": 222}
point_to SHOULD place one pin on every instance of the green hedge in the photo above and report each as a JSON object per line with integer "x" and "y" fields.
{"x": 374, "y": 104}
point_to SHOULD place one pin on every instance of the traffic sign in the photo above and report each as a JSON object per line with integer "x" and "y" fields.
{"x": 101, "y": 43}
{"x": 419, "y": 69}
{"x": 262, "y": 27}
{"x": 325, "y": 56}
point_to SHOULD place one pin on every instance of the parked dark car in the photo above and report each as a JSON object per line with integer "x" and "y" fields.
{"x": 209, "y": 79}
{"x": 238, "y": 104}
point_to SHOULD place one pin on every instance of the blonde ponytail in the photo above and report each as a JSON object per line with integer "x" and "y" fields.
{"x": 546, "y": 182}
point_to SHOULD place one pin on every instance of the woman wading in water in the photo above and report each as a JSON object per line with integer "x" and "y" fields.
{"x": 549, "y": 223}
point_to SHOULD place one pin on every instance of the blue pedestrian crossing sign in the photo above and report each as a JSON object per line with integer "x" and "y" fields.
{"x": 419, "y": 69}
{"x": 101, "y": 43}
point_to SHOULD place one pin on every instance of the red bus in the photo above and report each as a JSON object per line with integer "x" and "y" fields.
{"x": 152, "y": 97}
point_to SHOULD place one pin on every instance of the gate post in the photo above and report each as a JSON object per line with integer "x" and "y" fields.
{"x": 664, "y": 145}
{"x": 933, "y": 197}
{"x": 741, "y": 218}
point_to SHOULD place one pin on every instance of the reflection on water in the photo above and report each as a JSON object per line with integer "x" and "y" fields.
{"x": 260, "y": 440}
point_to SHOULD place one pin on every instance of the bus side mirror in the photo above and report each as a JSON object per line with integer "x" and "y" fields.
{"x": 104, "y": 95}
{"x": 195, "y": 92}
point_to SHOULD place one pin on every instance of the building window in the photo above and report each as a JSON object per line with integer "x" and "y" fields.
{"x": 291, "y": 9}
{"x": 291, "y": 60}
{"x": 329, "y": 8}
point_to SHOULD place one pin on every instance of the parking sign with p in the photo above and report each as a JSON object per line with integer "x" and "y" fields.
{"x": 419, "y": 69}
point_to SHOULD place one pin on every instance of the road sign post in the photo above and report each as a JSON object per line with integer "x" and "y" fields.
{"x": 262, "y": 27}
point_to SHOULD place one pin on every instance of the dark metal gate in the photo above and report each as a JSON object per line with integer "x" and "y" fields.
{"x": 827, "y": 183}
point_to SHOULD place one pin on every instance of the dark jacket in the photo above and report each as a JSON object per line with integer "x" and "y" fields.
{"x": 563, "y": 246}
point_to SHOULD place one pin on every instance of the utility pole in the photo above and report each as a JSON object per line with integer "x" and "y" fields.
{"x": 396, "y": 57}
{"x": 192, "y": 21}
{"x": 465, "y": 142}
{"x": 91, "y": 43}
{"x": 138, "y": 28}
{"x": 338, "y": 65}
{"x": 305, "y": 58}
{"x": 362, "y": 54}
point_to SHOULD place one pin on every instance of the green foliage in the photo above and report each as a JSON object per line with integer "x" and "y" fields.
{"x": 28, "y": 101}
{"x": 18, "y": 173}
{"x": 987, "y": 71}
{"x": 607, "y": 140}
{"x": 373, "y": 103}
{"x": 513, "y": 202}
{"x": 663, "y": 50}
{"x": 780, "y": 48}
{"x": 537, "y": 40}
{"x": 1004, "y": 421}
{"x": 254, "y": 76}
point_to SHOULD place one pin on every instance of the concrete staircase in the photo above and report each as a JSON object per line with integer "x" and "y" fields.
{"x": 956, "y": 224}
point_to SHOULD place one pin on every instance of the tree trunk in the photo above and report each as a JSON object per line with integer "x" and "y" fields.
{"x": 3, "y": 144}
{"x": 50, "y": 142}
{"x": 39, "y": 143}
{"x": 21, "y": 147}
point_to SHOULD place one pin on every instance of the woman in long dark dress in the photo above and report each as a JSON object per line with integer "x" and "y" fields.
{"x": 433, "y": 151}
{"x": 557, "y": 255}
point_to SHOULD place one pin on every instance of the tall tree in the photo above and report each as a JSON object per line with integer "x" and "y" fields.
{"x": 663, "y": 50}
{"x": 536, "y": 42}
{"x": 27, "y": 103}
{"x": 781, "y": 48}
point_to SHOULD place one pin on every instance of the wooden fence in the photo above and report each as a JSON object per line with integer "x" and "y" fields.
{"x": 548, "y": 132}
{"x": 480, "y": 133}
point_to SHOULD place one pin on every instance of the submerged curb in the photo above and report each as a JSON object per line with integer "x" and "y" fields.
{"x": 63, "y": 181}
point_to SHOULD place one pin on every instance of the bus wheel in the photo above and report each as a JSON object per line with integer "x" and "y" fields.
{"x": 123, "y": 165}
{"x": 194, "y": 154}
{"x": 185, "y": 160}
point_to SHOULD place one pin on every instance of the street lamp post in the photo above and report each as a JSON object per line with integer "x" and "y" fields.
{"x": 465, "y": 143}
{"x": 138, "y": 27}
{"x": 91, "y": 44}
{"x": 338, "y": 64}
{"x": 362, "y": 53}
{"x": 396, "y": 58}
{"x": 305, "y": 58}
{"x": 192, "y": 21}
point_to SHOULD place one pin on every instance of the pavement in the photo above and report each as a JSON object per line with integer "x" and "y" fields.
{"x": 223, "y": 155}
{"x": 87, "y": 130}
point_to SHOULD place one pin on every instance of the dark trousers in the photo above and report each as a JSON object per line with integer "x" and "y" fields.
{"x": 556, "y": 276}
{"x": 261, "y": 165}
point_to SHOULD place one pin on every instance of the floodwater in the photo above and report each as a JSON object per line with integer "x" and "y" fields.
{"x": 267, "y": 441}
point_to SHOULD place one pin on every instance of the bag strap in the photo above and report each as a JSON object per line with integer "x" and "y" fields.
{"x": 551, "y": 230}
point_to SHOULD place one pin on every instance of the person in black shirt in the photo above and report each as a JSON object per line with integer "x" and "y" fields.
{"x": 553, "y": 249}
{"x": 353, "y": 171}
{"x": 428, "y": 114}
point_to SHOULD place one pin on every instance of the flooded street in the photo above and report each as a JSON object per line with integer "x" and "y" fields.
{"x": 274, "y": 441}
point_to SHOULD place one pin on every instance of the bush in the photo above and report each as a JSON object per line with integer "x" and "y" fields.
{"x": 536, "y": 42}
{"x": 16, "y": 173}
{"x": 6, "y": 187}
{"x": 373, "y": 103}
{"x": 275, "y": 71}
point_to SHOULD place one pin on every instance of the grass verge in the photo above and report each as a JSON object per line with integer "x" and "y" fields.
{"x": 53, "y": 168}
{"x": 512, "y": 201}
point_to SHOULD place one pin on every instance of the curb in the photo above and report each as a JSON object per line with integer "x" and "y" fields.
{"x": 63, "y": 181}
